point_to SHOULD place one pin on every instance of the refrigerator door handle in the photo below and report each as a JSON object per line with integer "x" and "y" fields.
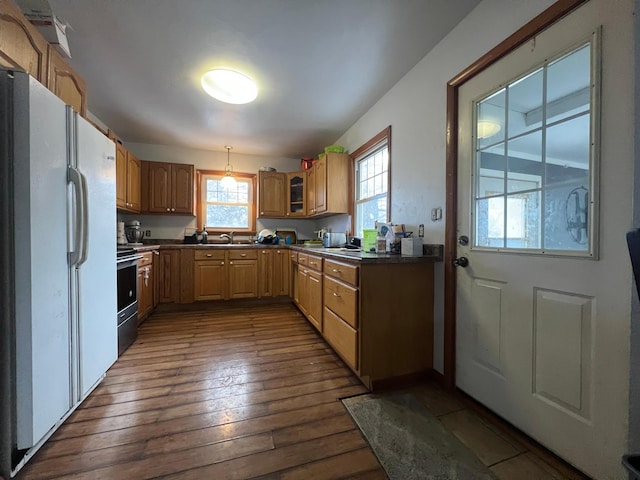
{"x": 74, "y": 177}
{"x": 84, "y": 218}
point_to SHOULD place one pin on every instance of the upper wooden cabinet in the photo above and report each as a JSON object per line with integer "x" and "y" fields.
{"x": 66, "y": 83}
{"x": 133, "y": 182}
{"x": 329, "y": 186}
{"x": 168, "y": 188}
{"x": 283, "y": 194}
{"x": 320, "y": 169}
{"x": 21, "y": 45}
{"x": 128, "y": 173}
{"x": 24, "y": 48}
{"x": 121, "y": 176}
{"x": 271, "y": 191}
{"x": 311, "y": 191}
{"x": 296, "y": 205}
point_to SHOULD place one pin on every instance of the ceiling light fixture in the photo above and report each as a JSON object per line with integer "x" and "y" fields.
{"x": 228, "y": 181}
{"x": 488, "y": 128}
{"x": 229, "y": 86}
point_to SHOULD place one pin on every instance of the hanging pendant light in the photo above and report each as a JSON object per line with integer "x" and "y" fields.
{"x": 228, "y": 181}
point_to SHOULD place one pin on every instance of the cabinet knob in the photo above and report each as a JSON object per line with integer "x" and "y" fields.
{"x": 261, "y": 213}
{"x": 156, "y": 252}
{"x": 230, "y": 263}
{"x": 168, "y": 209}
{"x": 335, "y": 270}
{"x": 221, "y": 263}
{"x": 264, "y": 252}
{"x": 173, "y": 209}
{"x": 335, "y": 294}
{"x": 313, "y": 263}
{"x": 209, "y": 255}
{"x": 243, "y": 254}
{"x": 287, "y": 214}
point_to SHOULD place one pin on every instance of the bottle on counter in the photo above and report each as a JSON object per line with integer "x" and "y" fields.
{"x": 205, "y": 236}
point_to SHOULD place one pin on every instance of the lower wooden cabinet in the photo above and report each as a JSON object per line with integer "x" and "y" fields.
{"x": 314, "y": 299}
{"x": 377, "y": 316}
{"x": 308, "y": 288}
{"x": 302, "y": 288}
{"x": 147, "y": 292}
{"x": 225, "y": 274}
{"x": 243, "y": 278}
{"x": 274, "y": 267}
{"x": 169, "y": 276}
{"x": 342, "y": 336}
{"x": 210, "y": 274}
{"x": 265, "y": 275}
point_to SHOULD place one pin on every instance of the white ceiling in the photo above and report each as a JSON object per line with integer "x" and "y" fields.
{"x": 319, "y": 65}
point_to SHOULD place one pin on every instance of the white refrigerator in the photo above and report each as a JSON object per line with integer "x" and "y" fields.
{"x": 59, "y": 325}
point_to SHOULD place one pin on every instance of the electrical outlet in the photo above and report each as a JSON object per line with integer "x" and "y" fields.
{"x": 147, "y": 233}
{"x": 436, "y": 214}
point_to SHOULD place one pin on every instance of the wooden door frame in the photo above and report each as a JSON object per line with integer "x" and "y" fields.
{"x": 548, "y": 17}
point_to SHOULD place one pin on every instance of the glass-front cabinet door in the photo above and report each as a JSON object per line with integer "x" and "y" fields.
{"x": 296, "y": 194}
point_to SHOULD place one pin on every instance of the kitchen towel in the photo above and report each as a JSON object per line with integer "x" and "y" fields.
{"x": 409, "y": 442}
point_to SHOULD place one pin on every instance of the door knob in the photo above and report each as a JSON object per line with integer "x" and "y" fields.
{"x": 463, "y": 240}
{"x": 460, "y": 262}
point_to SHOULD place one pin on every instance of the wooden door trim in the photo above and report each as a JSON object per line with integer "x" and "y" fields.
{"x": 547, "y": 18}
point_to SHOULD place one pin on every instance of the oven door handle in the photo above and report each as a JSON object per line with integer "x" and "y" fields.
{"x": 131, "y": 258}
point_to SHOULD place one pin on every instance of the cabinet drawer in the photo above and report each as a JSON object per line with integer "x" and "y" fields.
{"x": 342, "y": 300}
{"x": 342, "y": 271}
{"x": 209, "y": 254}
{"x": 294, "y": 256}
{"x": 303, "y": 259}
{"x": 147, "y": 259}
{"x": 251, "y": 254}
{"x": 315, "y": 263}
{"x": 342, "y": 337}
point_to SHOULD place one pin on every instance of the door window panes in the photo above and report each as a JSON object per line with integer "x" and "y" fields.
{"x": 524, "y": 158}
{"x": 491, "y": 119}
{"x": 568, "y": 85}
{"x": 525, "y": 100}
{"x": 534, "y": 177}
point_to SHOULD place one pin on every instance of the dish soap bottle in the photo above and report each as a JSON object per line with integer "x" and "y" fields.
{"x": 205, "y": 236}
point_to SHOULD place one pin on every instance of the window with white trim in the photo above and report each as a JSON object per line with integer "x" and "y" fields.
{"x": 223, "y": 208}
{"x": 372, "y": 167}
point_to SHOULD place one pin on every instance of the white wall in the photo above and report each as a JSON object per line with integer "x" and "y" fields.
{"x": 172, "y": 227}
{"x": 416, "y": 110}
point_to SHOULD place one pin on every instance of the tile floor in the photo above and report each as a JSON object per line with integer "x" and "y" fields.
{"x": 507, "y": 452}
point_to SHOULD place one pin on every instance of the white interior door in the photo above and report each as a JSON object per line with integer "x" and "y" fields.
{"x": 537, "y": 312}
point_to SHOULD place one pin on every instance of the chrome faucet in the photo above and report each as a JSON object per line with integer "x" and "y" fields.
{"x": 228, "y": 236}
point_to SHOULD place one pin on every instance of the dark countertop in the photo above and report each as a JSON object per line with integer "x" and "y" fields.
{"x": 365, "y": 257}
{"x": 145, "y": 248}
{"x": 234, "y": 246}
{"x": 433, "y": 252}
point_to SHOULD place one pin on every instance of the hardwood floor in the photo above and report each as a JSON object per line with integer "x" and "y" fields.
{"x": 232, "y": 392}
{"x": 237, "y": 392}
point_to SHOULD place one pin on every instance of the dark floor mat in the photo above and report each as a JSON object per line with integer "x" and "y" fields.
{"x": 410, "y": 442}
